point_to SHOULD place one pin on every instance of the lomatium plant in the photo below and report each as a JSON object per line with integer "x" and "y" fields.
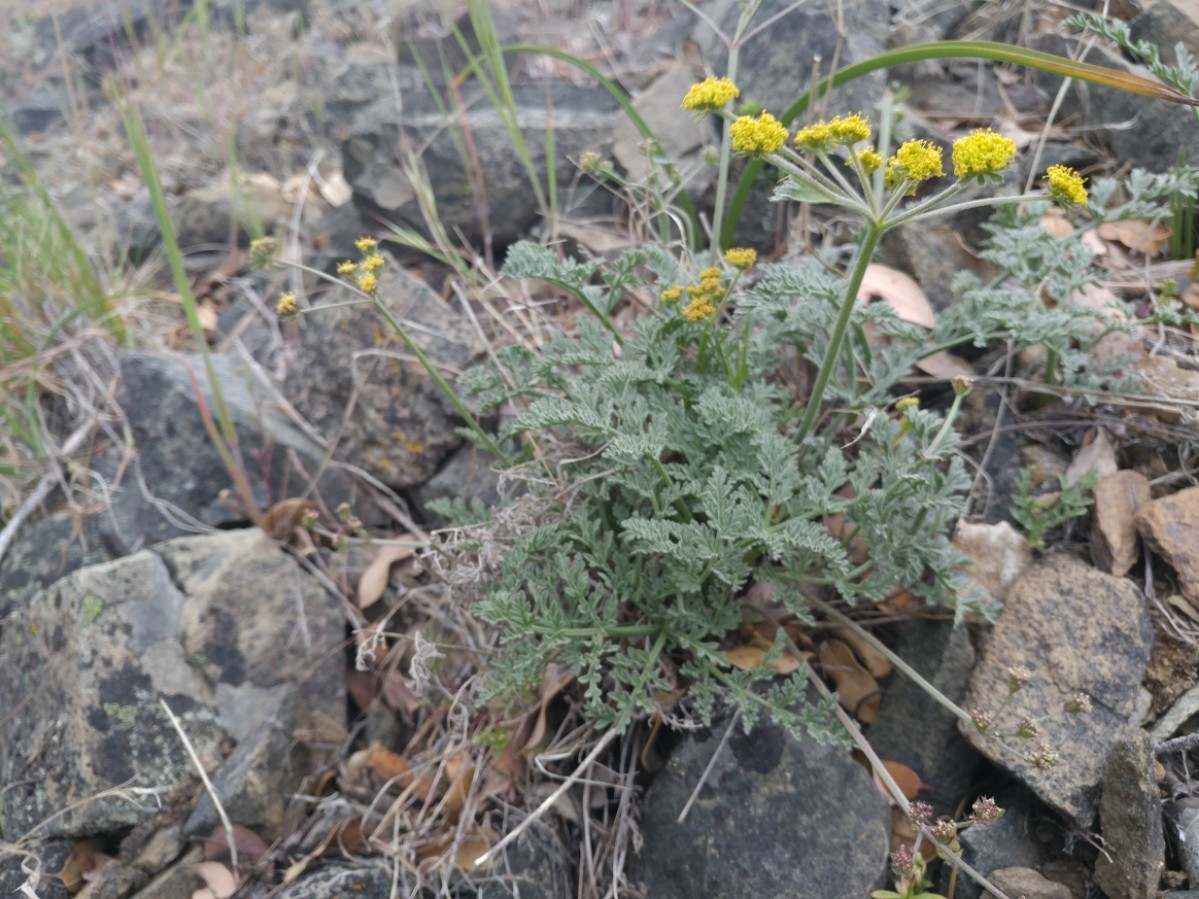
{"x": 674, "y": 463}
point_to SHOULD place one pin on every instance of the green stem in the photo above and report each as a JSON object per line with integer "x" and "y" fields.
{"x": 865, "y": 253}
{"x": 433, "y": 373}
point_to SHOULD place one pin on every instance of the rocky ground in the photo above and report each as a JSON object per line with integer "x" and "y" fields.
{"x": 147, "y": 633}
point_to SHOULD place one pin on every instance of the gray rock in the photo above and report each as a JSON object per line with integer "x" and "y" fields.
{"x": 583, "y": 119}
{"x": 467, "y": 474}
{"x": 535, "y": 868}
{"x": 943, "y": 655}
{"x": 1130, "y": 813}
{"x": 776, "y": 65}
{"x": 774, "y": 817}
{"x": 39, "y": 110}
{"x": 84, "y": 666}
{"x": 1077, "y": 630}
{"x": 178, "y": 462}
{"x": 33, "y": 866}
{"x": 1027, "y": 883}
{"x": 361, "y": 882}
{"x": 354, "y": 380}
{"x": 1006, "y": 843}
{"x": 1141, "y": 132}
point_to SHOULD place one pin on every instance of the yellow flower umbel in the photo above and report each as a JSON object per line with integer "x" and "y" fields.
{"x": 839, "y": 132}
{"x": 671, "y": 294}
{"x": 871, "y": 160}
{"x": 710, "y": 95}
{"x": 287, "y": 307}
{"x": 1066, "y": 185}
{"x": 914, "y": 161}
{"x": 741, "y": 257}
{"x": 982, "y": 153}
{"x": 759, "y": 136}
{"x": 365, "y": 272}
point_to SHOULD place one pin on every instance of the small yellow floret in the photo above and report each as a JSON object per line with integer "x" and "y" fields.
{"x": 712, "y": 272}
{"x": 849, "y": 130}
{"x": 366, "y": 244}
{"x": 870, "y": 160}
{"x": 982, "y": 153}
{"x": 372, "y": 263}
{"x": 816, "y": 138}
{"x": 1066, "y": 185}
{"x": 904, "y": 403}
{"x": 710, "y": 94}
{"x": 765, "y": 134}
{"x": 287, "y": 306}
{"x": 346, "y": 268}
{"x": 670, "y": 294}
{"x": 914, "y": 161}
{"x": 741, "y": 257}
{"x": 697, "y": 309}
{"x": 367, "y": 283}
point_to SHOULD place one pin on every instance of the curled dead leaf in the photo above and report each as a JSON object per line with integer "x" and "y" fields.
{"x": 251, "y": 848}
{"x": 374, "y": 579}
{"x": 857, "y": 690}
{"x": 218, "y": 877}
{"x": 748, "y": 658}
{"x": 905, "y": 778}
{"x": 1146, "y": 238}
{"x": 874, "y": 661}
{"x": 899, "y": 291}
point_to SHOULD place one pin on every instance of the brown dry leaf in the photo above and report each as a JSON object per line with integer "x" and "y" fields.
{"x": 747, "y": 658}
{"x": 900, "y": 292}
{"x": 461, "y": 772}
{"x": 335, "y": 189}
{"x": 1115, "y": 543}
{"x": 251, "y": 848}
{"x": 219, "y": 878}
{"x": 86, "y": 858}
{"x": 285, "y": 516}
{"x": 374, "y": 579}
{"x": 385, "y": 763}
{"x": 857, "y": 689}
{"x": 874, "y": 661}
{"x": 556, "y": 679}
{"x": 474, "y": 844}
{"x": 1146, "y": 238}
{"x": 1055, "y": 223}
{"x": 945, "y": 365}
{"x": 905, "y": 778}
{"x": 1099, "y": 454}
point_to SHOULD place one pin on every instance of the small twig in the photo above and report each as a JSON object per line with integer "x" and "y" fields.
{"x": 1178, "y": 744}
{"x": 549, "y": 800}
{"x": 216, "y": 800}
{"x": 728, "y": 732}
{"x": 44, "y": 486}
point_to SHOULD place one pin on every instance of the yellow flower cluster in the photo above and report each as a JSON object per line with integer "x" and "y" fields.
{"x": 710, "y": 95}
{"x": 914, "y": 161}
{"x": 1066, "y": 185}
{"x": 366, "y": 271}
{"x": 741, "y": 257}
{"x": 287, "y": 307}
{"x": 704, "y": 296}
{"x": 871, "y": 160}
{"x": 839, "y": 132}
{"x": 765, "y": 134}
{"x": 982, "y": 153}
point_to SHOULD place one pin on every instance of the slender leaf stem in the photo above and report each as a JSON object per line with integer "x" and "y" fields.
{"x": 865, "y": 253}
